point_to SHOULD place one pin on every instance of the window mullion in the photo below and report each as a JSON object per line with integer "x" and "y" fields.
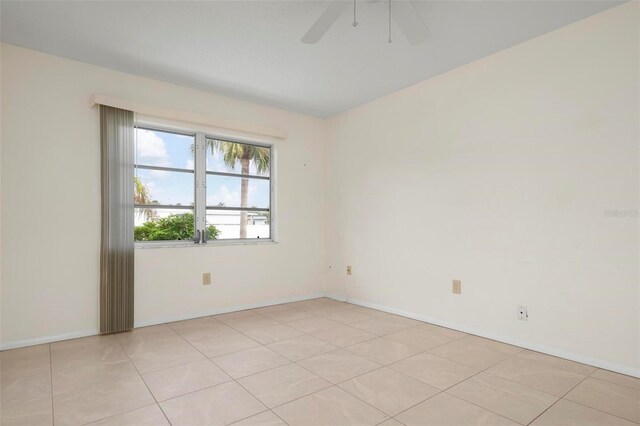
{"x": 200, "y": 162}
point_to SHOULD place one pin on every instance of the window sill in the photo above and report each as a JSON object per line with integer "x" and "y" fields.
{"x": 187, "y": 244}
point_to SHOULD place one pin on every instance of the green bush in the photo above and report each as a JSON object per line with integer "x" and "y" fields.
{"x": 172, "y": 227}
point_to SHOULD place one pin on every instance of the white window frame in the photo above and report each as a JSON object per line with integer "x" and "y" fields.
{"x": 200, "y": 186}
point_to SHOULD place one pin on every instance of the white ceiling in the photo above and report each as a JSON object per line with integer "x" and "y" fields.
{"x": 251, "y": 49}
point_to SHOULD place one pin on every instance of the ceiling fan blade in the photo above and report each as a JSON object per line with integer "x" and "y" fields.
{"x": 410, "y": 22}
{"x": 324, "y": 22}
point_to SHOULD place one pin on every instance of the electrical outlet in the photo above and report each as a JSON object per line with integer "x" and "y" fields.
{"x": 206, "y": 278}
{"x": 523, "y": 314}
{"x": 456, "y": 287}
{"x": 348, "y": 269}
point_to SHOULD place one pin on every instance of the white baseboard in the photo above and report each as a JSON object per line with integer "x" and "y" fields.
{"x": 226, "y": 310}
{"x": 618, "y": 368}
{"x": 623, "y": 369}
{"x": 47, "y": 339}
{"x": 50, "y": 339}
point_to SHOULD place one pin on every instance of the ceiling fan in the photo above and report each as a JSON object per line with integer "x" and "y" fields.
{"x": 403, "y": 13}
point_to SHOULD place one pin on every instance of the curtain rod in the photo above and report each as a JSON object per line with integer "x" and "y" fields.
{"x": 186, "y": 116}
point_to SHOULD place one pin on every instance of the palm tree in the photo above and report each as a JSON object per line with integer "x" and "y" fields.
{"x": 232, "y": 153}
{"x": 141, "y": 196}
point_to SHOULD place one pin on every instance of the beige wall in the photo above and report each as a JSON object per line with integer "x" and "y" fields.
{"x": 51, "y": 217}
{"x": 499, "y": 174}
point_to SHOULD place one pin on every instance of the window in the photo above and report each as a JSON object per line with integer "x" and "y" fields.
{"x": 200, "y": 188}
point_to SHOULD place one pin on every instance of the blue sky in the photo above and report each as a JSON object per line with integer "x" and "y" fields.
{"x": 155, "y": 148}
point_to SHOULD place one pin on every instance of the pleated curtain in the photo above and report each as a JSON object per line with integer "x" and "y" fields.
{"x": 117, "y": 250}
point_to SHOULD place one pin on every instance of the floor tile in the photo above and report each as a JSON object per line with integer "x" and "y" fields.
{"x": 514, "y": 401}
{"x": 567, "y": 413}
{"x": 313, "y": 324}
{"x": 338, "y": 366}
{"x": 419, "y": 339}
{"x": 383, "y": 351}
{"x": 232, "y": 316}
{"x": 385, "y": 315}
{"x": 263, "y": 419}
{"x": 146, "y": 335}
{"x": 409, "y": 322}
{"x": 269, "y": 311}
{"x": 283, "y": 384}
{"x": 301, "y": 347}
{"x": 100, "y": 341}
{"x": 25, "y": 399}
{"x": 318, "y": 353}
{"x": 94, "y": 400}
{"x": 285, "y": 314}
{"x": 388, "y": 390}
{"x": 537, "y": 375}
{"x": 433, "y": 370}
{"x": 218, "y": 405}
{"x": 68, "y": 378}
{"x": 225, "y": 344}
{"x": 250, "y": 361}
{"x": 619, "y": 379}
{"x": 609, "y": 397}
{"x": 272, "y": 334}
{"x": 447, "y": 332}
{"x": 29, "y": 360}
{"x": 200, "y": 328}
{"x": 492, "y": 344}
{"x": 331, "y": 406}
{"x": 345, "y": 316}
{"x": 463, "y": 352}
{"x": 305, "y": 305}
{"x": 186, "y": 378}
{"x": 444, "y": 409}
{"x": 560, "y": 363}
{"x": 150, "y": 415}
{"x": 158, "y": 355}
{"x": 344, "y": 335}
{"x": 86, "y": 351}
{"x": 378, "y": 326}
{"x": 391, "y": 422}
{"x": 250, "y": 323}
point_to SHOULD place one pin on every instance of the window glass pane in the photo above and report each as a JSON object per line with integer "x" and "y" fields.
{"x": 225, "y": 224}
{"x": 162, "y": 187}
{"x": 227, "y": 191}
{"x": 232, "y": 157}
{"x": 163, "y": 149}
{"x": 156, "y": 224}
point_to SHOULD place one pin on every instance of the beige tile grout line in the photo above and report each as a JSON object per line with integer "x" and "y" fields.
{"x": 296, "y": 362}
{"x": 609, "y": 381}
{"x": 313, "y": 314}
{"x": 143, "y": 381}
{"x": 593, "y": 408}
{"x": 456, "y": 384}
{"x": 232, "y": 379}
{"x": 260, "y": 344}
{"x": 562, "y": 397}
{"x": 53, "y": 418}
{"x": 290, "y": 362}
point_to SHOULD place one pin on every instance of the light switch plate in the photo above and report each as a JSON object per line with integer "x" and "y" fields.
{"x": 456, "y": 287}
{"x": 206, "y": 278}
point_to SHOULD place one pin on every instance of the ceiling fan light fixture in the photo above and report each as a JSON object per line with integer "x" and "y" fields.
{"x": 405, "y": 15}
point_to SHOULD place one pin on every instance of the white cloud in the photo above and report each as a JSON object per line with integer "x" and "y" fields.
{"x": 151, "y": 148}
{"x": 224, "y": 195}
{"x": 189, "y": 164}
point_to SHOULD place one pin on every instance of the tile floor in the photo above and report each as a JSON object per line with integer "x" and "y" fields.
{"x": 316, "y": 362}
